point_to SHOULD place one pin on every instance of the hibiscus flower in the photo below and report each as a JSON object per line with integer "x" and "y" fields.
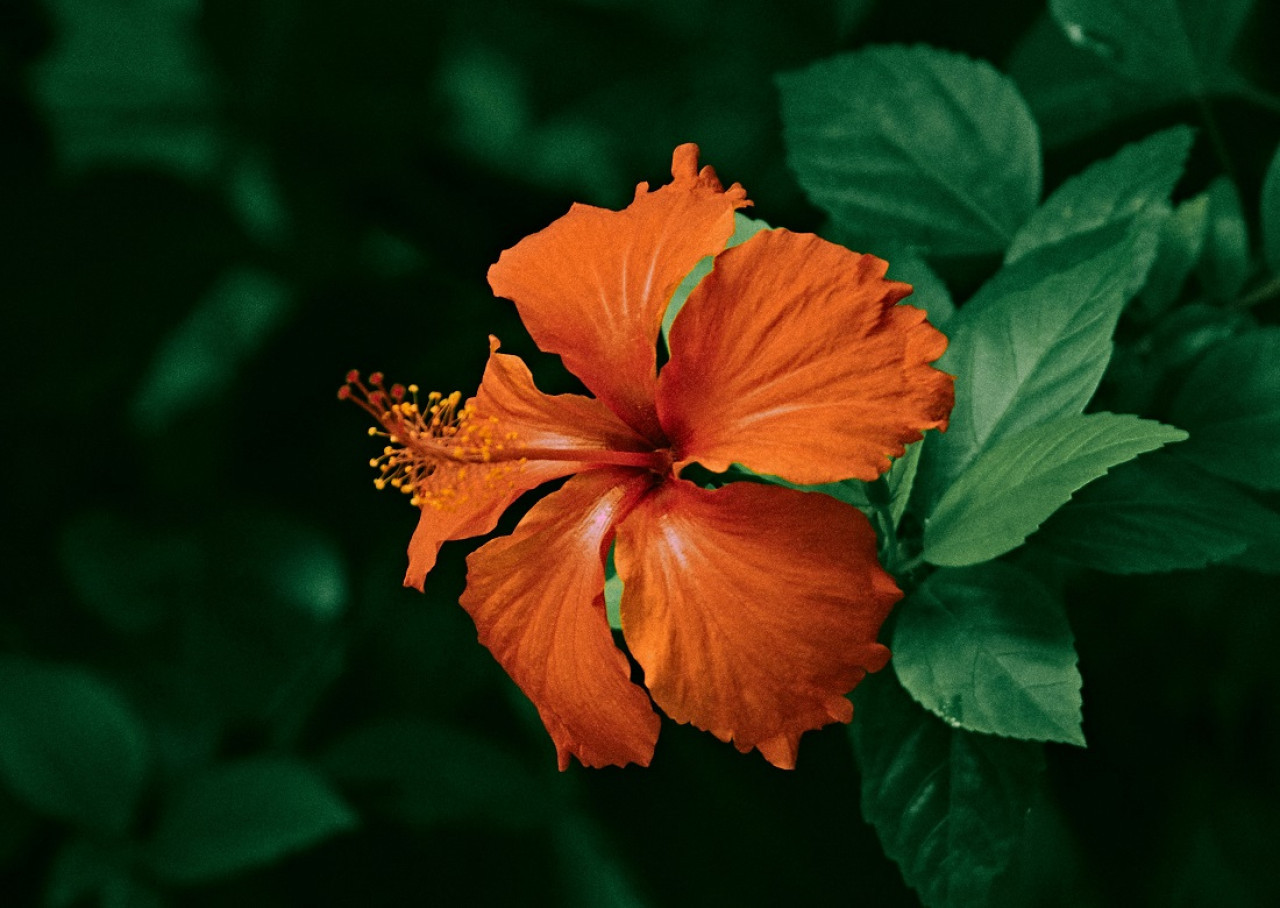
{"x": 752, "y": 609}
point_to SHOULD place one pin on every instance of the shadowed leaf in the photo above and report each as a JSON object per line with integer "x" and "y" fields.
{"x": 1235, "y": 435}
{"x": 69, "y": 745}
{"x": 241, "y": 815}
{"x": 949, "y": 805}
{"x": 426, "y": 773}
{"x": 1269, "y": 211}
{"x": 1113, "y": 190}
{"x": 1158, "y": 513}
{"x": 1225, "y": 264}
{"x": 1184, "y": 45}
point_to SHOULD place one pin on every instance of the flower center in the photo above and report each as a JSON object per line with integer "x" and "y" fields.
{"x": 437, "y": 451}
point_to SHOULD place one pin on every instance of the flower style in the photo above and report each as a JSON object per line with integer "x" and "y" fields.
{"x": 752, "y": 609}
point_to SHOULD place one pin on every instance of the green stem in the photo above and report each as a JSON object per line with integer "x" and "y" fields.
{"x": 1257, "y": 96}
{"x": 1269, "y": 290}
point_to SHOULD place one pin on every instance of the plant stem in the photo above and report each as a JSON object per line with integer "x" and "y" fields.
{"x": 1269, "y": 290}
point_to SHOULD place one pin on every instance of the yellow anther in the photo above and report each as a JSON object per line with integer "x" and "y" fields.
{"x": 429, "y": 444}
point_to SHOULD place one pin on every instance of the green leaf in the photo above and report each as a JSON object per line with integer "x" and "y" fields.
{"x": 1183, "y": 45}
{"x": 87, "y": 871}
{"x": 744, "y": 228}
{"x": 1158, "y": 513}
{"x": 124, "y": 574}
{"x": 1013, "y": 488}
{"x": 292, "y": 562}
{"x": 929, "y": 292}
{"x": 988, "y": 649}
{"x": 242, "y": 815}
{"x": 590, "y": 868}
{"x": 1112, "y": 190}
{"x": 901, "y": 479}
{"x": 1072, "y": 91}
{"x": 612, "y": 593}
{"x": 81, "y": 869}
{"x": 949, "y": 805}
{"x": 128, "y": 82}
{"x": 125, "y": 891}
{"x": 1034, "y": 342}
{"x": 1269, "y": 211}
{"x": 200, "y": 360}
{"x": 913, "y": 146}
{"x": 850, "y": 491}
{"x": 1230, "y": 404}
{"x": 1263, "y": 552}
{"x": 850, "y": 13}
{"x": 1188, "y": 332}
{"x": 1224, "y": 267}
{"x": 70, "y": 746}
{"x": 426, "y": 774}
{"x": 1182, "y": 241}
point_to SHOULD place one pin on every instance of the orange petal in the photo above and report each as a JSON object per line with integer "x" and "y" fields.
{"x": 593, "y": 286}
{"x": 476, "y": 516}
{"x": 753, "y": 609}
{"x": 534, "y": 437}
{"x": 559, "y": 426}
{"x": 537, "y": 597}
{"x": 792, "y": 358}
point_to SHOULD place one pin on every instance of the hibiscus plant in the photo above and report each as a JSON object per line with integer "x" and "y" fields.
{"x": 798, "y": 464}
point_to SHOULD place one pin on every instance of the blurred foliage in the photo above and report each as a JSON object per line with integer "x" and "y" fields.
{"x": 213, "y": 689}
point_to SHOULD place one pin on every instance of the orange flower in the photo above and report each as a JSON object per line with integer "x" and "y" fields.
{"x": 753, "y": 609}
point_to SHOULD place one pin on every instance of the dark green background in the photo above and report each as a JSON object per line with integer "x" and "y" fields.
{"x": 209, "y": 211}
